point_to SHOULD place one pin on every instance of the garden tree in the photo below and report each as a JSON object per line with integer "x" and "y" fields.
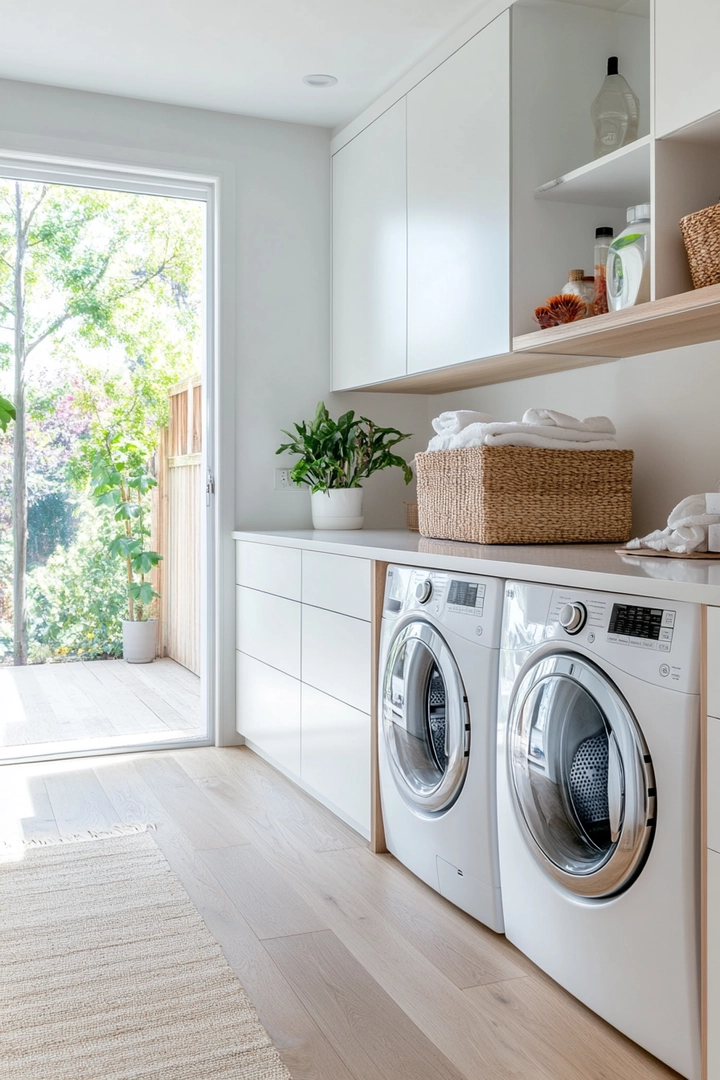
{"x": 84, "y": 271}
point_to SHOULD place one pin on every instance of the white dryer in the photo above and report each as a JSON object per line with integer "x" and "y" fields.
{"x": 598, "y": 805}
{"x": 437, "y": 732}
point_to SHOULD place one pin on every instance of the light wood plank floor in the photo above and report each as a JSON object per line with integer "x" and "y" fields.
{"x": 358, "y": 971}
{"x": 100, "y": 703}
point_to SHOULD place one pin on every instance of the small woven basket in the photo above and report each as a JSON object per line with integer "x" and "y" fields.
{"x": 701, "y": 233}
{"x": 411, "y": 516}
{"x": 519, "y": 495}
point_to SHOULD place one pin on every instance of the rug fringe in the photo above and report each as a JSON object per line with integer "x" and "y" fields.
{"x": 121, "y": 829}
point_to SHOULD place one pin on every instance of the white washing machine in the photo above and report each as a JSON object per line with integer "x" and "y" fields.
{"x": 437, "y": 732}
{"x": 598, "y": 805}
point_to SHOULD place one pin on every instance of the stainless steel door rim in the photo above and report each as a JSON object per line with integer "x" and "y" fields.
{"x": 428, "y": 779}
{"x": 581, "y": 776}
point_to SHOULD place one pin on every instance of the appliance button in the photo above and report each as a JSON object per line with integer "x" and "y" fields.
{"x": 666, "y": 634}
{"x": 664, "y": 670}
{"x": 479, "y": 631}
{"x": 668, "y": 618}
{"x": 591, "y": 638}
{"x": 573, "y": 617}
{"x": 664, "y": 647}
{"x": 423, "y": 591}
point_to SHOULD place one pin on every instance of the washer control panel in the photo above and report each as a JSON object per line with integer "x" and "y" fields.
{"x": 468, "y": 605}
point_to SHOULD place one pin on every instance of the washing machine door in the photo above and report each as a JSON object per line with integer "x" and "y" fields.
{"x": 425, "y": 719}
{"x": 581, "y": 776}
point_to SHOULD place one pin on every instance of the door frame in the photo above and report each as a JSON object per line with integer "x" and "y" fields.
{"x": 204, "y": 186}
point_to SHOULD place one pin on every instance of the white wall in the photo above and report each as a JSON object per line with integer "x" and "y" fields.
{"x": 665, "y": 407}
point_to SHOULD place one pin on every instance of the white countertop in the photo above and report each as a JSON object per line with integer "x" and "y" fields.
{"x": 588, "y": 566}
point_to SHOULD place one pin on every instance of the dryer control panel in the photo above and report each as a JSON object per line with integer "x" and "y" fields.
{"x": 469, "y": 606}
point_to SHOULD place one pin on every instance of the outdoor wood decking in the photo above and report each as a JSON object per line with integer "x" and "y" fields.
{"x": 47, "y": 708}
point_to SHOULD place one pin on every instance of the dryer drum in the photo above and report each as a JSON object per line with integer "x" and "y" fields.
{"x": 436, "y": 718}
{"x": 589, "y": 785}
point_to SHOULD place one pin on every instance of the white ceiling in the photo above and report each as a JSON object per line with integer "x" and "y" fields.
{"x": 243, "y": 56}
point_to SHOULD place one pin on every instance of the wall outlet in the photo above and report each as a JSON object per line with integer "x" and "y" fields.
{"x": 283, "y": 481}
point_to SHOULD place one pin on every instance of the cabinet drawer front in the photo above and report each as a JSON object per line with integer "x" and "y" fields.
{"x": 270, "y": 569}
{"x": 336, "y": 656}
{"x": 336, "y": 582}
{"x": 336, "y": 754}
{"x": 713, "y": 790}
{"x": 268, "y": 628}
{"x": 268, "y": 711}
{"x": 713, "y": 661}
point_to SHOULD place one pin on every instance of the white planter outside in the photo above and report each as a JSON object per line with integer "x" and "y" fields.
{"x": 338, "y": 508}
{"x": 139, "y": 641}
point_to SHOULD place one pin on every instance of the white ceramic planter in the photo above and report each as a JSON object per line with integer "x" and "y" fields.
{"x": 139, "y": 641}
{"x": 338, "y": 508}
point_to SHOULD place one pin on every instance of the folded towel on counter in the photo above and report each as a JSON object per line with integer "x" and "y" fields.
{"x": 449, "y": 423}
{"x": 541, "y": 428}
{"x": 686, "y": 529}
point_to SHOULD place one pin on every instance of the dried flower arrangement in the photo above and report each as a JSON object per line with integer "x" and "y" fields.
{"x": 564, "y": 308}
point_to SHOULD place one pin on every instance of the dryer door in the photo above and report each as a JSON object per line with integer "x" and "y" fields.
{"x": 425, "y": 718}
{"x": 581, "y": 776}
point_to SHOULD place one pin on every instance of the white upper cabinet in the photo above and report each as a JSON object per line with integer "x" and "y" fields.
{"x": 369, "y": 254}
{"x": 458, "y": 179}
{"x": 687, "y": 72}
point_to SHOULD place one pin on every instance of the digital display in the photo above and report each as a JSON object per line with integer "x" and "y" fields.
{"x": 463, "y": 593}
{"x": 637, "y": 622}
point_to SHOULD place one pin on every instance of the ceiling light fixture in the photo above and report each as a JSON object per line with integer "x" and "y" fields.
{"x": 319, "y": 81}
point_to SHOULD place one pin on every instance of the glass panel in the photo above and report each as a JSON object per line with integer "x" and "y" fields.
{"x": 415, "y": 717}
{"x": 560, "y": 760}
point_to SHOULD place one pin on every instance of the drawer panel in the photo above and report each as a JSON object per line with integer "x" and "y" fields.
{"x": 336, "y": 754}
{"x": 269, "y": 711}
{"x": 337, "y": 583}
{"x": 268, "y": 568}
{"x": 268, "y": 628}
{"x": 336, "y": 656}
{"x": 713, "y": 661}
{"x": 713, "y": 786}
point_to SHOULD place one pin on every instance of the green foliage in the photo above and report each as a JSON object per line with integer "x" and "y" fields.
{"x": 120, "y": 485}
{"x": 78, "y": 598}
{"x": 341, "y": 453}
{"x": 7, "y": 413}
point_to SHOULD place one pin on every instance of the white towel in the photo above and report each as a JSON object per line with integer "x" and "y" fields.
{"x": 601, "y": 425}
{"x": 449, "y": 423}
{"x": 541, "y": 442}
{"x": 686, "y": 529}
{"x": 541, "y": 428}
{"x": 500, "y": 434}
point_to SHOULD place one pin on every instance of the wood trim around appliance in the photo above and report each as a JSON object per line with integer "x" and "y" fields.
{"x": 703, "y": 843}
{"x": 377, "y": 827}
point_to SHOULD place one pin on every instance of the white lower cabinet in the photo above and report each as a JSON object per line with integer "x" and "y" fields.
{"x": 336, "y": 754}
{"x": 713, "y": 965}
{"x": 336, "y": 656}
{"x": 268, "y": 628}
{"x": 269, "y": 711}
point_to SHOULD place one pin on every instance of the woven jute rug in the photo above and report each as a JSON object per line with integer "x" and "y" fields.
{"x": 107, "y": 972}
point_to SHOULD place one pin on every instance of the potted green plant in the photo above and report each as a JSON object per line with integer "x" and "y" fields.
{"x": 7, "y": 413}
{"x": 335, "y": 457}
{"x": 121, "y": 482}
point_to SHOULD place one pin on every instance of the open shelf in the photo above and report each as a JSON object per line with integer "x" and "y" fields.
{"x": 619, "y": 179}
{"x": 675, "y": 321}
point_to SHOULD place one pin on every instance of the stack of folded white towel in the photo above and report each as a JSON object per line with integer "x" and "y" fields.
{"x": 687, "y": 529}
{"x": 542, "y": 428}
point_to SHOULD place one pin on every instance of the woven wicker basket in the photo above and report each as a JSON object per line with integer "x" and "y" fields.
{"x": 701, "y": 233}
{"x": 519, "y": 495}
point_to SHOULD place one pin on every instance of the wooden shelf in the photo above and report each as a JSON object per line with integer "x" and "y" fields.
{"x": 671, "y": 323}
{"x": 619, "y": 179}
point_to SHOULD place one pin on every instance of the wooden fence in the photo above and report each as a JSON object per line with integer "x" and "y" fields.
{"x": 176, "y": 522}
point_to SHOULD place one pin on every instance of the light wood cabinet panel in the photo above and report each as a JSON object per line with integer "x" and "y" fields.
{"x": 336, "y": 754}
{"x": 713, "y": 661}
{"x": 369, "y": 254}
{"x": 687, "y": 73}
{"x": 336, "y": 582}
{"x": 336, "y": 656}
{"x": 458, "y": 205}
{"x": 269, "y": 711}
{"x": 268, "y": 568}
{"x": 268, "y": 628}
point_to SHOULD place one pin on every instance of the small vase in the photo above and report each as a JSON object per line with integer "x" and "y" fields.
{"x": 139, "y": 641}
{"x": 338, "y": 508}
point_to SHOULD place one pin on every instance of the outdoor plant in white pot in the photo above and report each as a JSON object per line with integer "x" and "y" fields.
{"x": 335, "y": 457}
{"x": 121, "y": 482}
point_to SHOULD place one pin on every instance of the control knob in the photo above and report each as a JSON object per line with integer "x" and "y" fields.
{"x": 573, "y": 617}
{"x": 423, "y": 591}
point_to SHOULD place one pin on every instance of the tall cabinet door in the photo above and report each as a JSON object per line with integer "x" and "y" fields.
{"x": 369, "y": 254}
{"x": 458, "y": 201}
{"x": 687, "y": 72}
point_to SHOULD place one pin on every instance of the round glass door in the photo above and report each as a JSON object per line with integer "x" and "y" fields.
{"x": 425, "y": 718}
{"x": 581, "y": 776}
